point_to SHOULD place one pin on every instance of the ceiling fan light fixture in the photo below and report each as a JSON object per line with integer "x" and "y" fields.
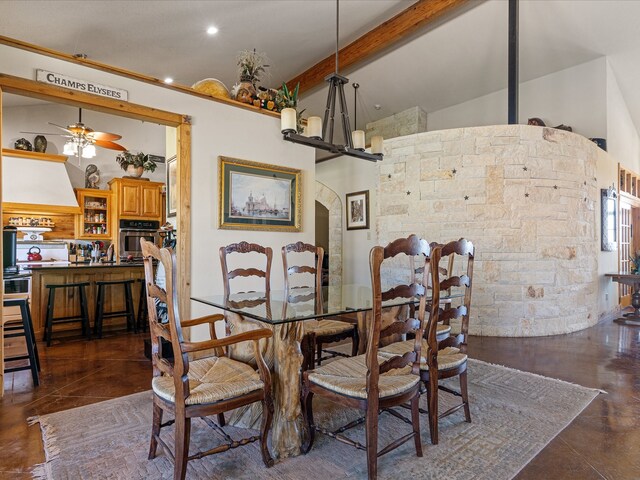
{"x": 70, "y": 148}
{"x": 89, "y": 151}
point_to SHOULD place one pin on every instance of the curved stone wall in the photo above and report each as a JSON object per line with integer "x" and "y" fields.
{"x": 526, "y": 196}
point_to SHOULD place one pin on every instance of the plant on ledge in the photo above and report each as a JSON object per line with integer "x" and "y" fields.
{"x": 135, "y": 163}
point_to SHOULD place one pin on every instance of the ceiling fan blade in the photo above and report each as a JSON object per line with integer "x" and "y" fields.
{"x": 103, "y": 136}
{"x": 41, "y": 133}
{"x": 110, "y": 145}
{"x": 61, "y": 127}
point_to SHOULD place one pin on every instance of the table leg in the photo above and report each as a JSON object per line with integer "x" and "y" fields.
{"x": 286, "y": 433}
{"x": 633, "y": 318}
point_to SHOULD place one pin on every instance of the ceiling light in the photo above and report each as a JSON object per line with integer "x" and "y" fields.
{"x": 355, "y": 142}
{"x": 89, "y": 151}
{"x": 168, "y": 80}
{"x": 212, "y": 30}
{"x": 70, "y": 148}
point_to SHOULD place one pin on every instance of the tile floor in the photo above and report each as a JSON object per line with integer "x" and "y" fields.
{"x": 602, "y": 442}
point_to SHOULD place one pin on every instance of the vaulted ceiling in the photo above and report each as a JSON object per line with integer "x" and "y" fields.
{"x": 437, "y": 67}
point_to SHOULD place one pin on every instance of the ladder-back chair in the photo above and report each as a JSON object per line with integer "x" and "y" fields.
{"x": 371, "y": 382}
{"x": 198, "y": 388}
{"x": 318, "y": 332}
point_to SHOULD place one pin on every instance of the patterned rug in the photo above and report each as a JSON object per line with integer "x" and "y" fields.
{"x": 514, "y": 415}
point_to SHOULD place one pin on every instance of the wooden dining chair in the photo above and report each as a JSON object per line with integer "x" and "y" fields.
{"x": 370, "y": 382}
{"x": 243, "y": 248}
{"x": 198, "y": 388}
{"x": 443, "y": 330}
{"x": 324, "y": 331}
{"x": 445, "y": 358}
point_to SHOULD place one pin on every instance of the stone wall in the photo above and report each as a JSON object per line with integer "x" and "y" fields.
{"x": 409, "y": 121}
{"x": 526, "y": 196}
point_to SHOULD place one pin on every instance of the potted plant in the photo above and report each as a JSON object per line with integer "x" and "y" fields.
{"x": 286, "y": 98}
{"x": 251, "y": 66}
{"x": 135, "y": 163}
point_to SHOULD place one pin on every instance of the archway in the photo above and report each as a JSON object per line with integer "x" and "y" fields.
{"x": 331, "y": 201}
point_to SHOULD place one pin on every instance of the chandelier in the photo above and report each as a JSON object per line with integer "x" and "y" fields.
{"x": 319, "y": 132}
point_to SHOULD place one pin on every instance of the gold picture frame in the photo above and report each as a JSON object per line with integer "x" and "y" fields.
{"x": 258, "y": 196}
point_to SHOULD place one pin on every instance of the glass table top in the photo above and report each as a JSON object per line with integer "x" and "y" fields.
{"x": 280, "y": 306}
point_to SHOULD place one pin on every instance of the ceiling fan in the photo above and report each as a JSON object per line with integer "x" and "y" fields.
{"x": 82, "y": 140}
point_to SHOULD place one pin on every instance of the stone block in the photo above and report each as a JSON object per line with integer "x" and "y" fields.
{"x": 428, "y": 147}
{"x": 401, "y": 209}
{"x": 478, "y": 160}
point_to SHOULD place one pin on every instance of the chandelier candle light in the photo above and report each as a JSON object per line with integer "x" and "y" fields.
{"x": 319, "y": 132}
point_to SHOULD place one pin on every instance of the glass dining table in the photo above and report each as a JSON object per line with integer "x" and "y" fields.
{"x": 286, "y": 313}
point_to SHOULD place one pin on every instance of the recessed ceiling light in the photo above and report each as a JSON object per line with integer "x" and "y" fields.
{"x": 377, "y": 106}
{"x": 168, "y": 80}
{"x": 212, "y": 30}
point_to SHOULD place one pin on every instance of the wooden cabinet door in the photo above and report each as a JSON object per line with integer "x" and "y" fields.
{"x": 129, "y": 200}
{"x": 150, "y": 201}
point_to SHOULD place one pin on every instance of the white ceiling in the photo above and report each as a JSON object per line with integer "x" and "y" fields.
{"x": 456, "y": 61}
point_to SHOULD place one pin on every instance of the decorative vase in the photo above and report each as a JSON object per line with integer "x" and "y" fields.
{"x": 40, "y": 144}
{"x": 246, "y": 91}
{"x": 134, "y": 171}
{"x": 23, "y": 144}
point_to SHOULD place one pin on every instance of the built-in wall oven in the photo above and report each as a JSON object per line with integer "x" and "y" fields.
{"x": 17, "y": 284}
{"x": 130, "y": 233}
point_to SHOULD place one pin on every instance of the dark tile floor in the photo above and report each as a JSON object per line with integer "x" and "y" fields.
{"x": 602, "y": 442}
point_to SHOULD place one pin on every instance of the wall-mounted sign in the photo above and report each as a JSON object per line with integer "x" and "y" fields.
{"x": 80, "y": 85}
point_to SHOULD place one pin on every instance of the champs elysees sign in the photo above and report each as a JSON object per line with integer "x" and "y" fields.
{"x": 80, "y": 85}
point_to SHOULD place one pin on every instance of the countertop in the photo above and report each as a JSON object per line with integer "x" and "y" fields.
{"x": 70, "y": 266}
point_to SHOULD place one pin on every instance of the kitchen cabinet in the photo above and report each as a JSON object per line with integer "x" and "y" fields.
{"x": 137, "y": 199}
{"x": 94, "y": 223}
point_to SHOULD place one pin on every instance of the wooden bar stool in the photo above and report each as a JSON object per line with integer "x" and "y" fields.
{"x": 21, "y": 326}
{"x": 83, "y": 317}
{"x": 128, "y": 312}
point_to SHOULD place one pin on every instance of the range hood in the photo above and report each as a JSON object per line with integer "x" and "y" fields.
{"x": 36, "y": 182}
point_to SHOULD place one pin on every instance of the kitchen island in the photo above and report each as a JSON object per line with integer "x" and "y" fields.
{"x": 67, "y": 302}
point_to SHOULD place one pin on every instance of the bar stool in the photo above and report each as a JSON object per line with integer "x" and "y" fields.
{"x": 128, "y": 312}
{"x": 83, "y": 317}
{"x": 143, "y": 313}
{"x": 22, "y": 327}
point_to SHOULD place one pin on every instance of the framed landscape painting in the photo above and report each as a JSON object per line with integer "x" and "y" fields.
{"x": 258, "y": 196}
{"x": 358, "y": 210}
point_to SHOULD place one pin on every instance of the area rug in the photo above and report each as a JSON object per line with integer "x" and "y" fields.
{"x": 514, "y": 415}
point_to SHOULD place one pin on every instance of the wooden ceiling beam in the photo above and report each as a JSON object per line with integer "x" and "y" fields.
{"x": 419, "y": 15}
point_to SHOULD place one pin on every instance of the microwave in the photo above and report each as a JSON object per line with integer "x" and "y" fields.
{"x": 130, "y": 233}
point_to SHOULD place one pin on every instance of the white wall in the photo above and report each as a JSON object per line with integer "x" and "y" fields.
{"x": 136, "y": 136}
{"x": 217, "y": 129}
{"x": 622, "y": 136}
{"x": 345, "y": 175}
{"x": 573, "y": 97}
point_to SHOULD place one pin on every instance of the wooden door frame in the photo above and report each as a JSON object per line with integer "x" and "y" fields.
{"x": 182, "y": 123}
